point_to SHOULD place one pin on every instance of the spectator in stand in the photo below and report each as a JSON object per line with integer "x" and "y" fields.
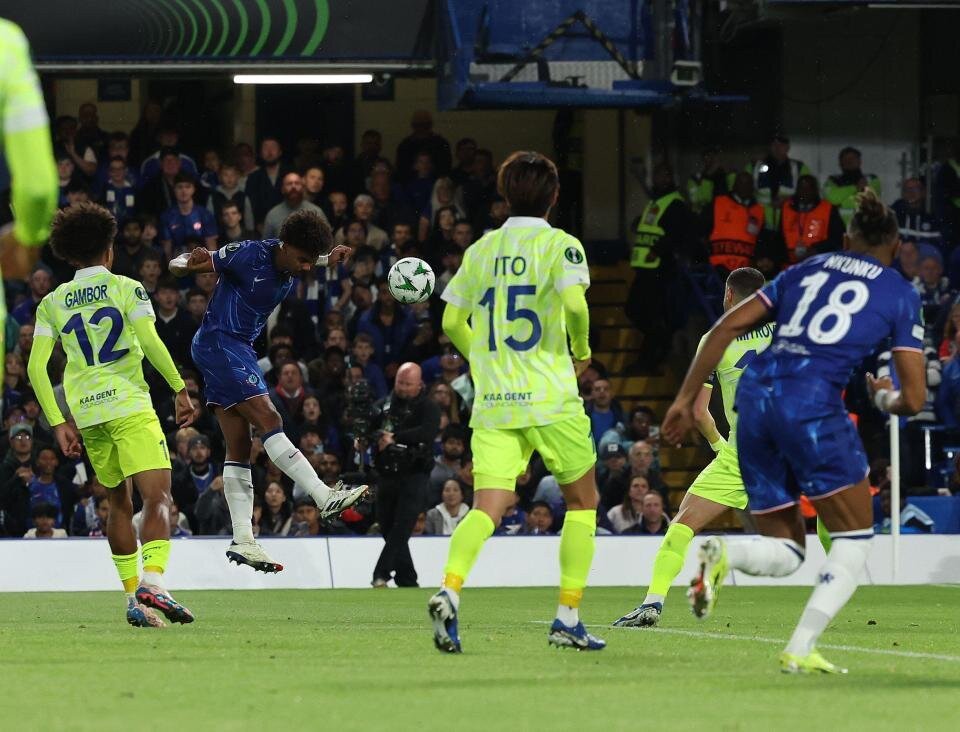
{"x": 708, "y": 182}
{"x": 264, "y": 185}
{"x": 451, "y": 260}
{"x": 948, "y": 395}
{"x": 306, "y": 519}
{"x": 463, "y": 235}
{"x": 397, "y": 248}
{"x": 441, "y": 237}
{"x": 775, "y": 179}
{"x": 453, "y": 441}
{"x": 119, "y": 193}
{"x": 65, "y": 143}
{"x": 422, "y": 139}
{"x": 371, "y": 146}
{"x": 653, "y": 520}
{"x": 197, "y": 303}
{"x": 604, "y": 410}
{"x": 101, "y": 506}
{"x": 231, "y": 225}
{"x": 158, "y": 194}
{"x": 640, "y": 462}
{"x": 514, "y": 519}
{"x": 361, "y": 355}
{"x": 734, "y": 227}
{"x": 277, "y": 511}
{"x": 808, "y": 224}
{"x": 78, "y": 192}
{"x": 212, "y": 165}
{"x": 313, "y": 183}
{"x": 388, "y": 207}
{"x": 948, "y": 347}
{"x": 539, "y": 520}
{"x": 444, "y": 195}
{"x": 118, "y": 146}
{"x": 363, "y": 211}
{"x": 66, "y": 175}
{"x": 196, "y": 478}
{"x": 14, "y": 379}
{"x": 41, "y": 282}
{"x": 338, "y": 213}
{"x": 449, "y": 402}
{"x": 418, "y": 188}
{"x": 288, "y": 397}
{"x": 150, "y": 268}
{"x": 612, "y": 459}
{"x": 228, "y": 190}
{"x": 129, "y": 250}
{"x": 24, "y": 342}
{"x": 174, "y": 325}
{"x": 391, "y": 326}
{"x": 661, "y": 234}
{"x": 908, "y": 260}
{"x": 168, "y": 138}
{"x": 465, "y": 153}
{"x": 88, "y": 132}
{"x": 16, "y": 472}
{"x": 335, "y": 167}
{"x": 46, "y": 487}
{"x": 213, "y": 514}
{"x": 841, "y": 190}
{"x": 293, "y": 200}
{"x": 144, "y": 134}
{"x": 629, "y": 513}
{"x": 185, "y": 220}
{"x": 641, "y": 425}
{"x": 44, "y": 516}
{"x": 915, "y": 223}
{"x": 178, "y": 523}
{"x": 443, "y": 518}
{"x": 480, "y": 192}
{"x": 246, "y": 161}
{"x": 151, "y": 233}
{"x": 933, "y": 288}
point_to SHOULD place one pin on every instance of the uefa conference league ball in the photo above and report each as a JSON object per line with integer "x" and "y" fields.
{"x": 410, "y": 280}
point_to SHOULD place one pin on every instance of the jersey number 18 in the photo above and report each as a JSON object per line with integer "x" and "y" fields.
{"x": 835, "y": 307}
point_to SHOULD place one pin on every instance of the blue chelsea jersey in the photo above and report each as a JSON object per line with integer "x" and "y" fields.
{"x": 831, "y": 312}
{"x": 249, "y": 289}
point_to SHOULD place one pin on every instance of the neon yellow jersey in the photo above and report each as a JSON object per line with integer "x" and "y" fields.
{"x": 735, "y": 359}
{"x": 510, "y": 282}
{"x": 92, "y": 314}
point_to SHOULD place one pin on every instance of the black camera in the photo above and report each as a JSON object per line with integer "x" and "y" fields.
{"x": 360, "y": 414}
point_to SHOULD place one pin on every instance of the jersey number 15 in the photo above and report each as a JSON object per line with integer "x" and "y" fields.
{"x": 106, "y": 354}
{"x": 513, "y": 313}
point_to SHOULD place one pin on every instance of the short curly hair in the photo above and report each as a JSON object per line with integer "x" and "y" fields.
{"x": 307, "y": 232}
{"x": 82, "y": 234}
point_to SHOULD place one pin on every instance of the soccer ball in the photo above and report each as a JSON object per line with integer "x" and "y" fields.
{"x": 411, "y": 280}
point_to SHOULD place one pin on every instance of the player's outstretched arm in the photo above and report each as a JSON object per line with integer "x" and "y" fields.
{"x": 457, "y": 329}
{"x": 911, "y": 368}
{"x": 67, "y": 437}
{"x": 198, "y": 261}
{"x": 735, "y": 322}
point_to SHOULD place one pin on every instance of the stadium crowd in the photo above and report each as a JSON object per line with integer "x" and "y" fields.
{"x": 429, "y": 200}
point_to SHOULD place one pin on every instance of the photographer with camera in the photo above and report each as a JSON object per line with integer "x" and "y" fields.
{"x": 409, "y": 422}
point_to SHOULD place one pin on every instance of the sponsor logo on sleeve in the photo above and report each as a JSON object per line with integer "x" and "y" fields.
{"x": 573, "y": 255}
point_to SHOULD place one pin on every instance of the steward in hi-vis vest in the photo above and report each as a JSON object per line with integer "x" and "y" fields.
{"x": 775, "y": 179}
{"x": 841, "y": 190}
{"x": 809, "y": 225}
{"x": 734, "y": 225}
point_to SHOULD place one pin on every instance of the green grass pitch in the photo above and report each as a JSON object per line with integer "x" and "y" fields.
{"x": 363, "y": 659}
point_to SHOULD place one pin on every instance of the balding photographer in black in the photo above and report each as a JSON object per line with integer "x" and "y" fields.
{"x": 409, "y": 423}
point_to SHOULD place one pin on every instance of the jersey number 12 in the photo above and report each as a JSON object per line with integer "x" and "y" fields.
{"x": 106, "y": 354}
{"x": 841, "y": 311}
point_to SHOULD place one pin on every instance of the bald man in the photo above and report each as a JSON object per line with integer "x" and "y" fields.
{"x": 409, "y": 423}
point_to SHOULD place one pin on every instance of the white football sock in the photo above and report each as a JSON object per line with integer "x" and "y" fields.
{"x": 836, "y": 583}
{"x": 296, "y": 467}
{"x": 238, "y": 490}
{"x": 152, "y": 578}
{"x": 567, "y": 615}
{"x": 765, "y": 556}
{"x": 652, "y": 597}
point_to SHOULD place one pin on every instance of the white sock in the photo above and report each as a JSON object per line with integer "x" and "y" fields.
{"x": 765, "y": 556}
{"x": 131, "y": 599}
{"x": 836, "y": 583}
{"x": 652, "y": 597}
{"x": 238, "y": 490}
{"x": 567, "y": 615}
{"x": 296, "y": 467}
{"x": 152, "y": 578}
{"x": 454, "y": 597}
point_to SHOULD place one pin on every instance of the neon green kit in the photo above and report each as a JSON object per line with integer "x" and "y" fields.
{"x": 720, "y": 481}
{"x": 512, "y": 284}
{"x": 106, "y": 323}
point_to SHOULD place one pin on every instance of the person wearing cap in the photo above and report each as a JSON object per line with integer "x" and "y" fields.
{"x": 612, "y": 459}
{"x": 775, "y": 179}
{"x": 708, "y": 182}
{"x": 16, "y": 472}
{"x": 841, "y": 190}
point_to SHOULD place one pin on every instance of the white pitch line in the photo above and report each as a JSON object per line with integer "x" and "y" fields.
{"x": 760, "y": 639}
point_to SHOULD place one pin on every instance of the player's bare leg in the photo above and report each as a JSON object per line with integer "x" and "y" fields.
{"x": 154, "y": 487}
{"x": 577, "y": 543}
{"x": 123, "y": 546}
{"x": 238, "y": 492}
{"x": 694, "y": 514}
{"x": 332, "y": 501}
